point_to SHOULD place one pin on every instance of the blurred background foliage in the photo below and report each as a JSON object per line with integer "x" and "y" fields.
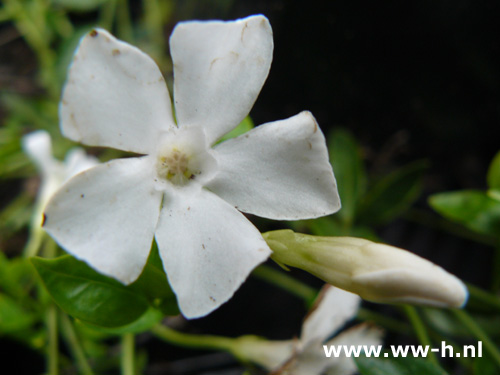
{"x": 408, "y": 95}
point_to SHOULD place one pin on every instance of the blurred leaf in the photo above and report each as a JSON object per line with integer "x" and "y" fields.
{"x": 16, "y": 276}
{"x": 472, "y": 208}
{"x": 349, "y": 171}
{"x": 87, "y": 295}
{"x": 244, "y": 126}
{"x": 397, "y": 366}
{"x": 13, "y": 317}
{"x": 79, "y": 5}
{"x": 392, "y": 195}
{"x": 494, "y": 173}
{"x": 485, "y": 365}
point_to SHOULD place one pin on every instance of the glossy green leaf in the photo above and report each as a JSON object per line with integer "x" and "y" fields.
{"x": 345, "y": 157}
{"x": 471, "y": 208}
{"x": 397, "y": 366}
{"x": 494, "y": 173}
{"x": 393, "y": 194}
{"x": 87, "y": 295}
{"x": 244, "y": 126}
{"x": 150, "y": 318}
{"x": 153, "y": 284}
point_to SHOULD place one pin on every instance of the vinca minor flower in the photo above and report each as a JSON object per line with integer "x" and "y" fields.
{"x": 184, "y": 189}
{"x": 306, "y": 355}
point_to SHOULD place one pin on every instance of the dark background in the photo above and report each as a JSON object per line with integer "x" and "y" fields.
{"x": 411, "y": 80}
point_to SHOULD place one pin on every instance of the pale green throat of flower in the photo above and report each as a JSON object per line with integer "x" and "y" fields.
{"x": 175, "y": 167}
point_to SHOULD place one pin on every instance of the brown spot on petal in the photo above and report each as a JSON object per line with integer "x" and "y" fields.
{"x": 115, "y": 52}
{"x": 93, "y": 33}
{"x": 44, "y": 220}
{"x": 212, "y": 298}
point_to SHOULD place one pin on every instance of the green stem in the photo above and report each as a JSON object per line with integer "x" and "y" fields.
{"x": 53, "y": 345}
{"x": 421, "y": 332}
{"x": 384, "y": 321}
{"x": 194, "y": 341}
{"x": 74, "y": 345}
{"x": 478, "y": 332}
{"x": 495, "y": 274}
{"x": 483, "y": 296}
{"x": 127, "y": 354}
{"x": 285, "y": 282}
{"x": 123, "y": 22}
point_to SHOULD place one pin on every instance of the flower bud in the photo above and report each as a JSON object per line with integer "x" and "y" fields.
{"x": 376, "y": 272}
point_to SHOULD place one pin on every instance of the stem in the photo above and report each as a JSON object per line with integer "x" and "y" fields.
{"x": 285, "y": 282}
{"x": 478, "y": 332}
{"x": 123, "y": 22}
{"x": 194, "y": 341}
{"x": 74, "y": 345}
{"x": 483, "y": 296}
{"x": 384, "y": 321}
{"x": 495, "y": 274}
{"x": 53, "y": 345}
{"x": 421, "y": 332}
{"x": 127, "y": 359}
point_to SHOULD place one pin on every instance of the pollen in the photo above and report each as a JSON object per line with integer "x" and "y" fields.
{"x": 174, "y": 167}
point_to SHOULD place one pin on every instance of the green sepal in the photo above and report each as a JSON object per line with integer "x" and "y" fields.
{"x": 244, "y": 126}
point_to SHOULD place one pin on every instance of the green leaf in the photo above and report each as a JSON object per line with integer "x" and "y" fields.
{"x": 392, "y": 195}
{"x": 471, "y": 208}
{"x": 87, "y": 295}
{"x": 154, "y": 285}
{"x": 397, "y": 366}
{"x": 150, "y": 318}
{"x": 345, "y": 158}
{"x": 244, "y": 126}
{"x": 13, "y": 317}
{"x": 494, "y": 173}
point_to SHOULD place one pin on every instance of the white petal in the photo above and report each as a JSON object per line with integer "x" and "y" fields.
{"x": 106, "y": 216}
{"x": 332, "y": 310}
{"x": 219, "y": 70}
{"x": 362, "y": 334}
{"x": 38, "y": 146}
{"x": 208, "y": 249}
{"x": 279, "y": 170}
{"x": 78, "y": 161}
{"x": 115, "y": 96}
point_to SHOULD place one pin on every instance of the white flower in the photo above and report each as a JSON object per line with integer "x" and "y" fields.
{"x": 186, "y": 191}
{"x": 306, "y": 355}
{"x": 54, "y": 173}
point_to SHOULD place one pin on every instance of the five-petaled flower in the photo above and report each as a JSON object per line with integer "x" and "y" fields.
{"x": 307, "y": 355}
{"x": 186, "y": 190}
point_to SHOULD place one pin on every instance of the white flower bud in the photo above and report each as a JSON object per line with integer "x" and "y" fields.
{"x": 376, "y": 272}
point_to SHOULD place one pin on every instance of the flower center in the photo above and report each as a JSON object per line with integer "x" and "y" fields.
{"x": 175, "y": 167}
{"x": 183, "y": 158}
